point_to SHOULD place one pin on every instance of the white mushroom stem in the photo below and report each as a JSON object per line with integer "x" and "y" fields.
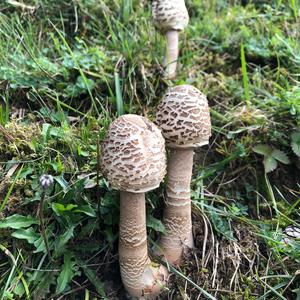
{"x": 177, "y": 214}
{"x": 172, "y": 51}
{"x": 140, "y": 276}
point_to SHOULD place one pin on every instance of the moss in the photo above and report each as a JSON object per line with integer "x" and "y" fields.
{"x": 15, "y": 202}
{"x": 17, "y": 140}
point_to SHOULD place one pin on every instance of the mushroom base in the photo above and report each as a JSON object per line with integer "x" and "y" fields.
{"x": 140, "y": 276}
{"x": 177, "y": 217}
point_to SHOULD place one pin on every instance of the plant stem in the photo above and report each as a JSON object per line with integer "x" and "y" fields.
{"x": 42, "y": 225}
{"x": 245, "y": 77}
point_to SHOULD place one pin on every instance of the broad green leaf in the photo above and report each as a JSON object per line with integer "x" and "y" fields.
{"x": 270, "y": 164}
{"x": 296, "y": 148}
{"x": 69, "y": 270}
{"x": 57, "y": 132}
{"x": 65, "y": 276}
{"x": 263, "y": 149}
{"x": 27, "y": 171}
{"x": 297, "y": 291}
{"x": 63, "y": 239}
{"x": 80, "y": 152}
{"x": 221, "y": 225}
{"x": 92, "y": 277}
{"x": 62, "y": 182}
{"x": 26, "y": 234}
{"x": 280, "y": 156}
{"x": 19, "y": 288}
{"x": 57, "y": 166}
{"x": 42, "y": 284}
{"x": 40, "y": 245}
{"x": 18, "y": 221}
{"x": 87, "y": 209}
{"x": 155, "y": 224}
{"x": 46, "y": 131}
{"x": 295, "y": 144}
{"x": 109, "y": 235}
{"x": 59, "y": 208}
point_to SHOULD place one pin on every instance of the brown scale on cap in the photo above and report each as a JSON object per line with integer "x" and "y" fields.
{"x": 183, "y": 116}
{"x": 133, "y": 155}
{"x": 170, "y": 17}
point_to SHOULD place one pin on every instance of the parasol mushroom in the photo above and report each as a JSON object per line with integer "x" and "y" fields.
{"x": 183, "y": 116}
{"x": 134, "y": 162}
{"x": 170, "y": 17}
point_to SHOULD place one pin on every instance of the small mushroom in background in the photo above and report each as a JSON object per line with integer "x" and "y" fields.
{"x": 170, "y": 17}
{"x": 183, "y": 116}
{"x": 134, "y": 161}
{"x": 291, "y": 234}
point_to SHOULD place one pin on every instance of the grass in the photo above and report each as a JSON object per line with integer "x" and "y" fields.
{"x": 245, "y": 77}
{"x": 67, "y": 69}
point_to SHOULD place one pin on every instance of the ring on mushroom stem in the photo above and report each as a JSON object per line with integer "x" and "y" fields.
{"x": 134, "y": 162}
{"x": 183, "y": 116}
{"x": 170, "y": 17}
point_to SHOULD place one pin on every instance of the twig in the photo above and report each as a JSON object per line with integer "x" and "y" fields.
{"x": 21, "y": 5}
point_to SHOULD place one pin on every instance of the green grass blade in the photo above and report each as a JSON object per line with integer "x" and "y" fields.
{"x": 294, "y": 8}
{"x": 205, "y": 293}
{"x": 9, "y": 279}
{"x": 78, "y": 67}
{"x": 126, "y": 10}
{"x": 10, "y": 190}
{"x": 245, "y": 77}
{"x": 25, "y": 285}
{"x": 119, "y": 98}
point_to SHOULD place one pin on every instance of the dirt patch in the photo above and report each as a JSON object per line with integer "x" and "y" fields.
{"x": 221, "y": 267}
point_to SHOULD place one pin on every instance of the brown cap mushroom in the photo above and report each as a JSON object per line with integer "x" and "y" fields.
{"x": 134, "y": 161}
{"x": 133, "y": 155}
{"x": 183, "y": 116}
{"x": 170, "y": 17}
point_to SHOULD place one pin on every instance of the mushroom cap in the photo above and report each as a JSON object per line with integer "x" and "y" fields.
{"x": 133, "y": 155}
{"x": 170, "y": 15}
{"x": 183, "y": 116}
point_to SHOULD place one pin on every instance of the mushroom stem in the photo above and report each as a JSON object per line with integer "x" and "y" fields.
{"x": 177, "y": 214}
{"x": 170, "y": 61}
{"x": 139, "y": 275}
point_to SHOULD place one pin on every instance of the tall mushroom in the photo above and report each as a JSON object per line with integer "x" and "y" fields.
{"x": 134, "y": 161}
{"x": 183, "y": 116}
{"x": 170, "y": 17}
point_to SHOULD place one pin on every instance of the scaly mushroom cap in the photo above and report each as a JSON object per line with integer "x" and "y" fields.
{"x": 133, "y": 155}
{"x": 183, "y": 116}
{"x": 170, "y": 15}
